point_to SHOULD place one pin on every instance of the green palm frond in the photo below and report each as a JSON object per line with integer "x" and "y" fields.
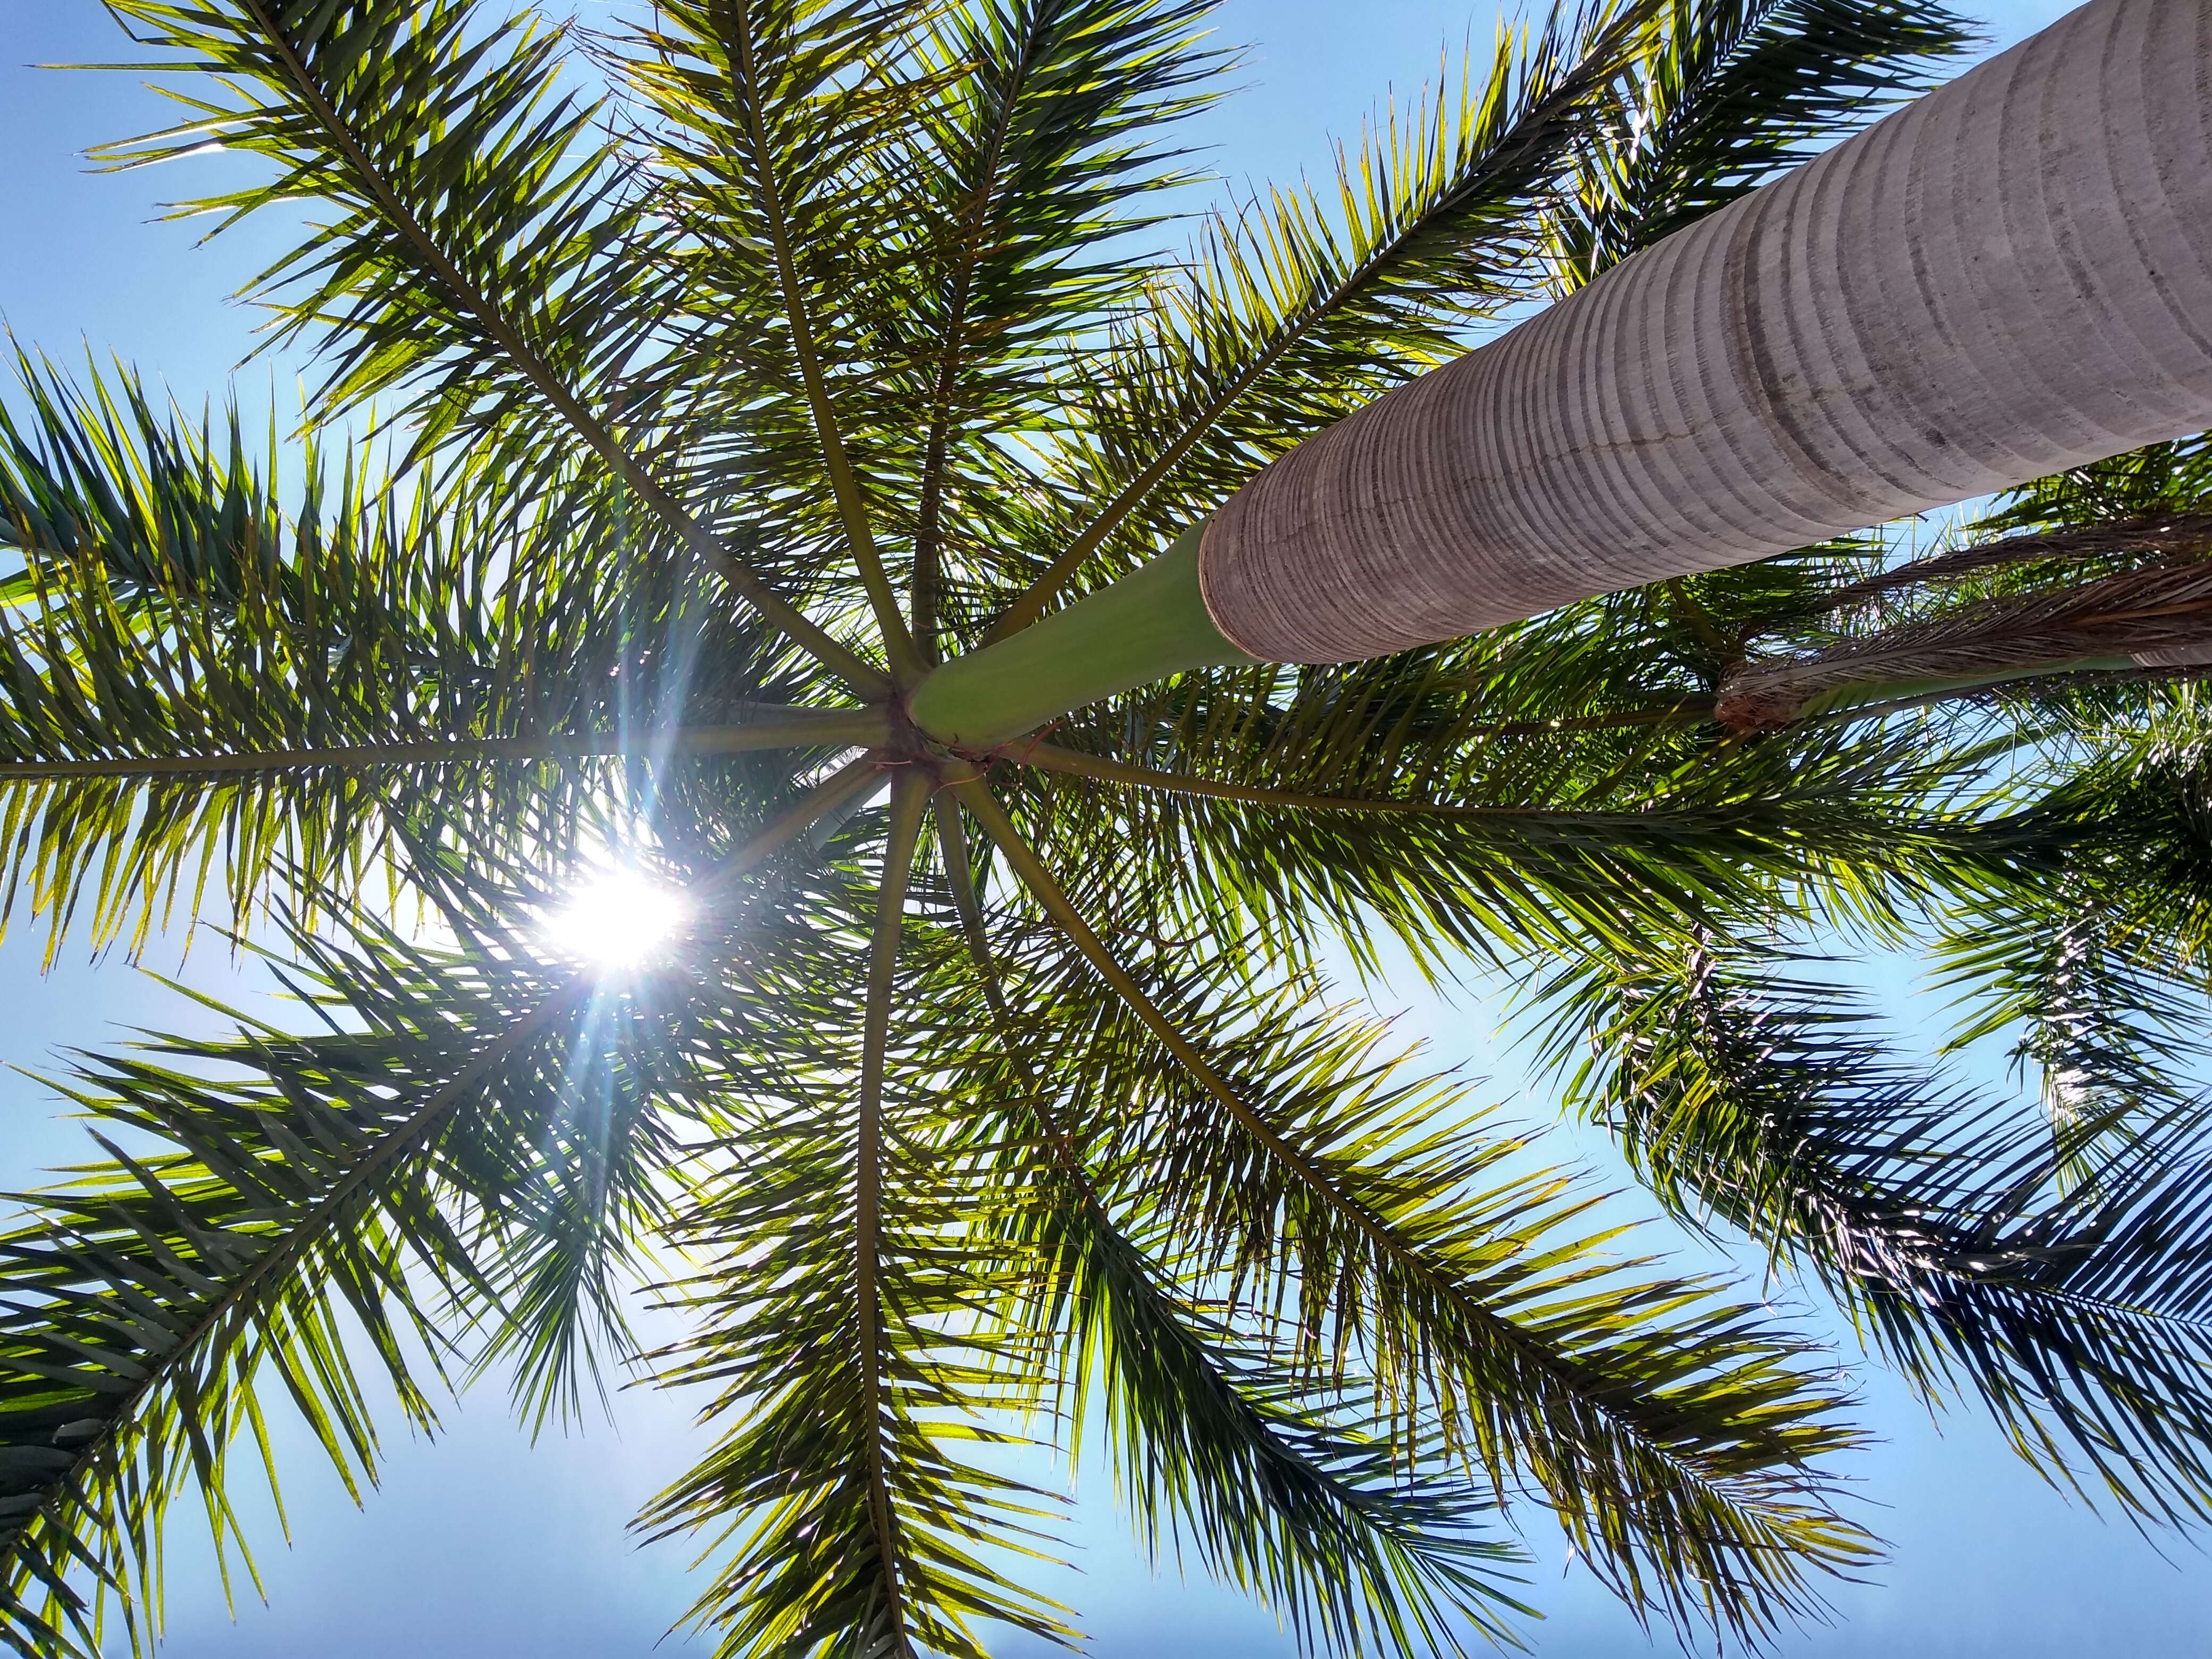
{"x": 1646, "y": 835}
{"x": 2129, "y": 789}
{"x": 471, "y": 271}
{"x": 1054, "y": 130}
{"x": 766, "y": 108}
{"x": 2074, "y": 1310}
{"x": 156, "y": 1303}
{"x": 2101, "y": 1006}
{"x": 475, "y": 1144}
{"x": 1283, "y": 1487}
{"x": 1729, "y": 93}
{"x": 841, "y": 1334}
{"x": 2094, "y": 964}
{"x": 1319, "y": 1183}
{"x": 1224, "y": 1451}
{"x": 477, "y": 275}
{"x": 202, "y": 682}
{"x": 725, "y": 369}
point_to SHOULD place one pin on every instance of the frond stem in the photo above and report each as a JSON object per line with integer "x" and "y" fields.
{"x": 906, "y": 665}
{"x": 953, "y": 847}
{"x": 796, "y": 819}
{"x": 1051, "y": 758}
{"x": 1989, "y": 691}
{"x": 1691, "y": 711}
{"x": 910, "y": 795}
{"x": 927, "y": 527}
{"x": 833, "y": 730}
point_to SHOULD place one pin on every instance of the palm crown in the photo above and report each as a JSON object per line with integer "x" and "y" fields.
{"x": 736, "y": 368}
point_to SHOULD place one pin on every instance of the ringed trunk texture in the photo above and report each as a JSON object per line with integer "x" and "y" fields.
{"x": 2009, "y": 277}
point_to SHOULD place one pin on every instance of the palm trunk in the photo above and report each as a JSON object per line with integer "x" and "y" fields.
{"x": 2011, "y": 278}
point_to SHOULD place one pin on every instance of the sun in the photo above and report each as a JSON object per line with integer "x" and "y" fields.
{"x": 617, "y": 919}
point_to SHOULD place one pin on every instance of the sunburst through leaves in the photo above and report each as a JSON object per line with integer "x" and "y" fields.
{"x": 737, "y": 365}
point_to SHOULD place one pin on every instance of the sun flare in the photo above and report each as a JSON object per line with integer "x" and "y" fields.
{"x": 618, "y": 918}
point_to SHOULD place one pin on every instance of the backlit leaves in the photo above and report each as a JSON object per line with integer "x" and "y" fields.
{"x": 856, "y": 305}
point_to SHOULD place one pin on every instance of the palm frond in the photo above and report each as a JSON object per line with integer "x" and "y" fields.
{"x": 1451, "y": 863}
{"x": 2166, "y": 537}
{"x": 2101, "y": 1008}
{"x": 765, "y": 107}
{"x": 478, "y": 1144}
{"x": 1224, "y": 1451}
{"x": 2157, "y": 615}
{"x": 1052, "y": 132}
{"x": 1218, "y": 1447}
{"x": 838, "y": 1326}
{"x": 1674, "y": 1434}
{"x": 473, "y": 269}
{"x": 265, "y": 1193}
{"x": 1729, "y": 93}
{"x": 2074, "y": 1310}
{"x": 196, "y": 680}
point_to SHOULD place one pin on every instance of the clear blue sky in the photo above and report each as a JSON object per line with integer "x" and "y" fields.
{"x": 480, "y": 1545}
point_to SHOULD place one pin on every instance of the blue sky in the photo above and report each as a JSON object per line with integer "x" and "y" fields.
{"x": 483, "y": 1545}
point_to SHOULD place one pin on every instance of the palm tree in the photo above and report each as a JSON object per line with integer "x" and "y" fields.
{"x": 2007, "y": 279}
{"x": 715, "y": 379}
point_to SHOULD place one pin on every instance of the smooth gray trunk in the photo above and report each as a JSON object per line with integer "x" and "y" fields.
{"x": 2010, "y": 277}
